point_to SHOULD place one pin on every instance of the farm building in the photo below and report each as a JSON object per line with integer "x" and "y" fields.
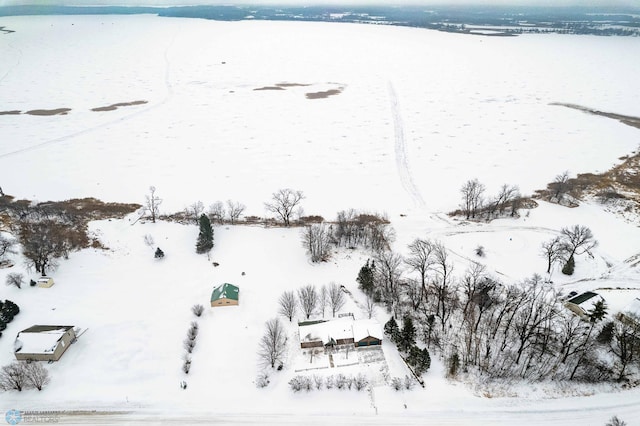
{"x": 43, "y": 342}
{"x": 341, "y": 331}
{"x": 45, "y": 282}
{"x": 583, "y": 303}
{"x": 225, "y": 295}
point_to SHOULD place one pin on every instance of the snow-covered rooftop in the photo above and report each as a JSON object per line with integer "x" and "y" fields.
{"x": 366, "y": 328}
{"x": 39, "y": 341}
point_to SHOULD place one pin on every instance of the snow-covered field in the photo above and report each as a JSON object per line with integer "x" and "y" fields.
{"x": 416, "y": 114}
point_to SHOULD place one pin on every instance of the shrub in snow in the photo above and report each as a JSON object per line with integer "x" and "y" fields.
{"x": 159, "y": 253}
{"x": 262, "y": 381}
{"x": 349, "y": 382}
{"x": 341, "y": 381}
{"x": 329, "y": 382}
{"x": 396, "y": 383}
{"x": 360, "y": 381}
{"x": 15, "y": 279}
{"x": 32, "y": 283}
{"x": 186, "y": 365}
{"x": 453, "y": 365}
{"x": 480, "y": 251}
{"x": 615, "y": 421}
{"x": 408, "y": 382}
{"x": 299, "y": 383}
{"x": 189, "y": 345}
{"x": 197, "y": 310}
{"x": 193, "y": 331}
{"x": 318, "y": 381}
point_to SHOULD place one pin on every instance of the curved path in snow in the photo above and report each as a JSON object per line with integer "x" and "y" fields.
{"x": 402, "y": 161}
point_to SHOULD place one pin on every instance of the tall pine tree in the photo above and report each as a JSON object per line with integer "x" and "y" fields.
{"x": 407, "y": 335}
{"x": 205, "y": 236}
{"x": 365, "y": 278}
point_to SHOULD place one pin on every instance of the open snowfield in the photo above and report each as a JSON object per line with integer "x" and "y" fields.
{"x": 409, "y": 116}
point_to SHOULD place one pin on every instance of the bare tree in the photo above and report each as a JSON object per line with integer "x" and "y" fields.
{"x": 370, "y": 306}
{"x": 317, "y": 240}
{"x": 152, "y": 204}
{"x": 283, "y": 202}
{"x": 217, "y": 212}
{"x": 46, "y": 240}
{"x": 308, "y": 298}
{"x": 323, "y": 298}
{"x": 13, "y": 377}
{"x": 273, "y": 344}
{"x": 235, "y": 210}
{"x": 443, "y": 287}
{"x": 288, "y": 304}
{"x": 194, "y": 211}
{"x": 578, "y": 240}
{"x": 6, "y": 246}
{"x": 560, "y": 185}
{"x": 472, "y": 192}
{"x": 554, "y": 251}
{"x": 15, "y": 279}
{"x": 421, "y": 260}
{"x": 388, "y": 275}
{"x": 505, "y": 196}
{"x": 624, "y": 343}
{"x": 36, "y": 375}
{"x": 336, "y": 298}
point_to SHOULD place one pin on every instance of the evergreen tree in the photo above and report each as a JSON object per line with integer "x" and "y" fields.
{"x": 598, "y": 312}
{"x": 391, "y": 329}
{"x": 365, "y": 278}
{"x": 159, "y": 253}
{"x": 568, "y": 267}
{"x": 419, "y": 359}
{"x": 205, "y": 236}
{"x": 407, "y": 335}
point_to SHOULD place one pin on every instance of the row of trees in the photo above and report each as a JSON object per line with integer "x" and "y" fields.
{"x": 284, "y": 203}
{"x": 310, "y": 300}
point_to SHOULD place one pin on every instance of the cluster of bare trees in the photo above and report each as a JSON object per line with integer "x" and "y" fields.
{"x": 339, "y": 381}
{"x": 231, "y": 212}
{"x": 476, "y": 206}
{"x": 309, "y": 300}
{"x": 21, "y": 375}
{"x": 350, "y": 229}
{"x": 520, "y": 330}
{"x": 573, "y": 241}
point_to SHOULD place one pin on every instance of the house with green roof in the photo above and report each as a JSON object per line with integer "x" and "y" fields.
{"x": 225, "y": 295}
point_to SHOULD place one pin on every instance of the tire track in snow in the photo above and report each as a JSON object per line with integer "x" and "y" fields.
{"x": 400, "y": 147}
{"x": 168, "y": 95}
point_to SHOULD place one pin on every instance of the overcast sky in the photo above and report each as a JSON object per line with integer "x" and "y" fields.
{"x": 545, "y": 3}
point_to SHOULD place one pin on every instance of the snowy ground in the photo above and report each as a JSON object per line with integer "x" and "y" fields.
{"x": 420, "y": 112}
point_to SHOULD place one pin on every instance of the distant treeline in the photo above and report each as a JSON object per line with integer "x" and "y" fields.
{"x": 513, "y": 20}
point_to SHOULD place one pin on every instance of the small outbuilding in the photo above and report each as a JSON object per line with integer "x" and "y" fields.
{"x": 44, "y": 282}
{"x": 43, "y": 342}
{"x": 583, "y": 303}
{"x": 225, "y": 295}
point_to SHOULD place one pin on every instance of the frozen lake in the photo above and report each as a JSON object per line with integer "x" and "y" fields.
{"x": 373, "y": 117}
